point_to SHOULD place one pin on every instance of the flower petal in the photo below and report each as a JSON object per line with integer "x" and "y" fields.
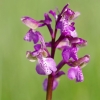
{"x": 74, "y": 51}
{"x": 66, "y": 53}
{"x": 63, "y": 44}
{"x": 76, "y": 15}
{"x": 48, "y": 44}
{"x": 30, "y": 57}
{"x": 39, "y": 70}
{"x": 67, "y": 28}
{"x": 51, "y": 64}
{"x": 71, "y": 73}
{"x": 69, "y": 52}
{"x": 53, "y": 13}
{"x": 31, "y": 23}
{"x": 31, "y": 35}
{"x": 37, "y": 47}
{"x": 75, "y": 73}
{"x": 41, "y": 39}
{"x": 45, "y": 84}
{"x": 79, "y": 75}
{"x": 47, "y": 19}
{"x": 79, "y": 42}
{"x": 44, "y": 66}
{"x": 68, "y": 13}
{"x": 80, "y": 62}
{"x": 73, "y": 33}
{"x": 47, "y": 64}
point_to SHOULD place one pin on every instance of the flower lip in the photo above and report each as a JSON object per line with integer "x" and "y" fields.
{"x": 47, "y": 65}
{"x": 32, "y": 35}
{"x": 75, "y": 73}
{"x": 69, "y": 52}
{"x": 66, "y": 54}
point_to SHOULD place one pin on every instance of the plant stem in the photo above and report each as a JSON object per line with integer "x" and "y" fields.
{"x": 53, "y": 49}
{"x": 50, "y": 77}
{"x": 49, "y": 87}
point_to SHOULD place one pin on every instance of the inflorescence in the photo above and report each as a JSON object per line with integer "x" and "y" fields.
{"x": 68, "y": 43}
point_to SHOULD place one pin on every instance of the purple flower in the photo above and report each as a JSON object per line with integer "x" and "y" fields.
{"x": 45, "y": 66}
{"x": 35, "y": 36}
{"x": 75, "y": 73}
{"x": 69, "y": 52}
{"x": 67, "y": 28}
{"x": 68, "y": 13}
{"x": 73, "y": 42}
{"x": 66, "y": 24}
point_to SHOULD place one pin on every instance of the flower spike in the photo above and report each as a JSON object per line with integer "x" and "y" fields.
{"x": 68, "y": 42}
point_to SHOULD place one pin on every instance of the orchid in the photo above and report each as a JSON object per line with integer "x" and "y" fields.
{"x": 68, "y": 43}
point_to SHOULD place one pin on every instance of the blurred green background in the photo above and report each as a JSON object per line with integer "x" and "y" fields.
{"x": 18, "y": 78}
